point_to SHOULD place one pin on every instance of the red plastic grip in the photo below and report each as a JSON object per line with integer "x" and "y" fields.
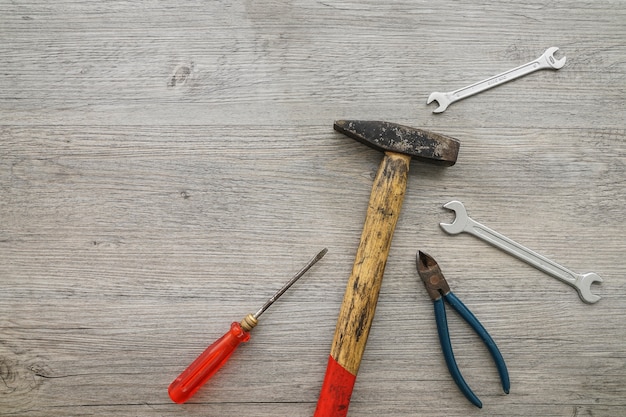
{"x": 207, "y": 364}
{"x": 336, "y": 391}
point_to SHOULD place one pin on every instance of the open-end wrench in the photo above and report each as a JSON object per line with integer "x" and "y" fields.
{"x": 463, "y": 223}
{"x": 545, "y": 61}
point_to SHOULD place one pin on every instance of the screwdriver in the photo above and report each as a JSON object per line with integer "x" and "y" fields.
{"x": 216, "y": 355}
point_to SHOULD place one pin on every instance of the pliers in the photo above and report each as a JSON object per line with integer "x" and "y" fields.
{"x": 438, "y": 290}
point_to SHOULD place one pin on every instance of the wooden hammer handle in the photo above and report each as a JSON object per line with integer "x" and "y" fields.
{"x": 359, "y": 302}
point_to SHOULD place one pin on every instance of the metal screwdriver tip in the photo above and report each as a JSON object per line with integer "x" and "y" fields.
{"x": 292, "y": 281}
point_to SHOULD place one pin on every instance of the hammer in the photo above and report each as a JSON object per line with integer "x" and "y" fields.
{"x": 399, "y": 144}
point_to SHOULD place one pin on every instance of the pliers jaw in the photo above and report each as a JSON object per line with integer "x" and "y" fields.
{"x": 429, "y": 271}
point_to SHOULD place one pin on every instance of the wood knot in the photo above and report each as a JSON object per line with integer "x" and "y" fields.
{"x": 19, "y": 381}
{"x": 181, "y": 74}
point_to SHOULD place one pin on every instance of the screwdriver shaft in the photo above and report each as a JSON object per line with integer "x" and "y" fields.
{"x": 292, "y": 281}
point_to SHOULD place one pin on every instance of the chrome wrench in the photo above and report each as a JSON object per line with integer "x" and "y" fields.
{"x": 463, "y": 223}
{"x": 545, "y": 61}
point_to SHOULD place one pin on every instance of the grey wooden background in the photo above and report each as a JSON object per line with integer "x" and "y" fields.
{"x": 164, "y": 167}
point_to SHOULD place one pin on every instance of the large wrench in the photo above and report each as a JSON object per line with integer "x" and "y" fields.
{"x": 545, "y": 61}
{"x": 463, "y": 223}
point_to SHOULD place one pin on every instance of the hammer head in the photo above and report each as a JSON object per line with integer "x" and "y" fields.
{"x": 385, "y": 136}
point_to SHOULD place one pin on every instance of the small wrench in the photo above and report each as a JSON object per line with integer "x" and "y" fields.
{"x": 463, "y": 223}
{"x": 545, "y": 61}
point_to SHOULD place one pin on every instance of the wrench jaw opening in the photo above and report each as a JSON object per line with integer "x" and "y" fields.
{"x": 460, "y": 221}
{"x": 551, "y": 60}
{"x": 583, "y": 286}
{"x": 441, "y": 99}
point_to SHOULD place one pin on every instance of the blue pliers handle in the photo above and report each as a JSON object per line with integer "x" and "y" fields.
{"x": 439, "y": 291}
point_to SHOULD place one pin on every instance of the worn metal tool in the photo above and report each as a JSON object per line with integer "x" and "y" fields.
{"x": 463, "y": 223}
{"x": 400, "y": 144}
{"x": 545, "y": 61}
{"x": 439, "y": 290}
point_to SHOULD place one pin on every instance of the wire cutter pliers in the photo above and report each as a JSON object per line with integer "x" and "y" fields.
{"x": 438, "y": 290}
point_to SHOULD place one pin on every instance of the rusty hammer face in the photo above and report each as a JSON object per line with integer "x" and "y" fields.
{"x": 400, "y": 144}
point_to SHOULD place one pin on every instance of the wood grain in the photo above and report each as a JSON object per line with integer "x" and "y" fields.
{"x": 361, "y": 296}
{"x": 164, "y": 168}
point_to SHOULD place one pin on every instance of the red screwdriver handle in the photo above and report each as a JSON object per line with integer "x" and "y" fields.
{"x": 207, "y": 364}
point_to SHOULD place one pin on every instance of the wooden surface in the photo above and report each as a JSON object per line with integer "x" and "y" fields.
{"x": 164, "y": 167}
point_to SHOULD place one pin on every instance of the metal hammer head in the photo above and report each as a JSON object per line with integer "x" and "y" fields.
{"x": 385, "y": 136}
